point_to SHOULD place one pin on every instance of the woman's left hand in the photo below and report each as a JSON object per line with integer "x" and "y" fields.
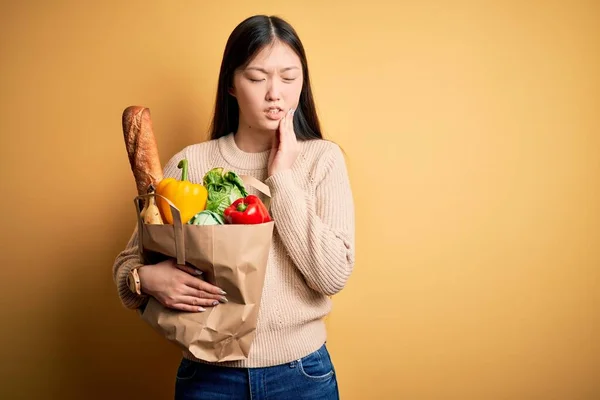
{"x": 285, "y": 147}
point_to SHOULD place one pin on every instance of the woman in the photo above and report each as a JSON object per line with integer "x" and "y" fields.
{"x": 265, "y": 125}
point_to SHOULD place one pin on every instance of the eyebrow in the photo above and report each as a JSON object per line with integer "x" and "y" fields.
{"x": 266, "y": 72}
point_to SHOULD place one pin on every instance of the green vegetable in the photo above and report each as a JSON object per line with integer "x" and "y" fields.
{"x": 223, "y": 189}
{"x": 207, "y": 217}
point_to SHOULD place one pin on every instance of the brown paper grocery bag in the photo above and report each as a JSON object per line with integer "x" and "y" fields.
{"x": 232, "y": 257}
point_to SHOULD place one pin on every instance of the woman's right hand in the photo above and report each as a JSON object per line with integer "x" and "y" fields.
{"x": 177, "y": 289}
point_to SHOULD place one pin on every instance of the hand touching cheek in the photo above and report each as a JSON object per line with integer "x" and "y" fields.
{"x": 285, "y": 147}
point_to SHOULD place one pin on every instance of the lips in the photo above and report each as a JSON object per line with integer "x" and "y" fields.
{"x": 274, "y": 113}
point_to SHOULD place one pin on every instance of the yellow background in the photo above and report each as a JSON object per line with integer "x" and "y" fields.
{"x": 472, "y": 135}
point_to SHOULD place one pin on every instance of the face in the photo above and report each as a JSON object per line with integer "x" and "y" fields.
{"x": 268, "y": 87}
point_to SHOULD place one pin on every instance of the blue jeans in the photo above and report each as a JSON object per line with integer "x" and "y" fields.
{"x": 312, "y": 377}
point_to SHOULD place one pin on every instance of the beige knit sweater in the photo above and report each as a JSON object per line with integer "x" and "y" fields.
{"x": 313, "y": 243}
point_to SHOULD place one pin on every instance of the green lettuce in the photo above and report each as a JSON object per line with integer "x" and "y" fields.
{"x": 206, "y": 217}
{"x": 223, "y": 189}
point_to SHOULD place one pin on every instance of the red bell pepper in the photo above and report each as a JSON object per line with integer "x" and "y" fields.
{"x": 247, "y": 210}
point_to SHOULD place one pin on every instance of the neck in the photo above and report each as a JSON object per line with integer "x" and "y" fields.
{"x": 253, "y": 140}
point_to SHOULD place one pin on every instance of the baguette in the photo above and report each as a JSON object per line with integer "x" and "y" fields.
{"x": 142, "y": 149}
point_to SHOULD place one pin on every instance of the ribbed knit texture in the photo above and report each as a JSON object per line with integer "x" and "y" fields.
{"x": 312, "y": 252}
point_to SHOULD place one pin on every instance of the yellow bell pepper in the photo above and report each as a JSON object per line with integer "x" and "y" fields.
{"x": 189, "y": 198}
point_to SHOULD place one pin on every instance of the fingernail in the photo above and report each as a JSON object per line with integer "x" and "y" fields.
{"x": 223, "y": 300}
{"x": 215, "y": 303}
{"x": 201, "y": 309}
{"x": 291, "y": 111}
{"x": 223, "y": 292}
{"x": 198, "y": 272}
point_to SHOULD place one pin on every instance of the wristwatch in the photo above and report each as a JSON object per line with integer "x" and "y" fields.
{"x": 133, "y": 280}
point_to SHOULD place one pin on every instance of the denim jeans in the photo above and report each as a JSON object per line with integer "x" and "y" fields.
{"x": 311, "y": 377}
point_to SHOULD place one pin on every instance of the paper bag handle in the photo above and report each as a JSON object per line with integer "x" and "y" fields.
{"x": 249, "y": 180}
{"x": 178, "y": 225}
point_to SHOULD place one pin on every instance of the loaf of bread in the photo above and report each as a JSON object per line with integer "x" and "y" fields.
{"x": 141, "y": 148}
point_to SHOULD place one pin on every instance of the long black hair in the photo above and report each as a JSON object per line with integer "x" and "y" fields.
{"x": 246, "y": 40}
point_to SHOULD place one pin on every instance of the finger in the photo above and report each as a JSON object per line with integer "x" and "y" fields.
{"x": 290, "y": 119}
{"x": 189, "y": 270}
{"x": 205, "y": 286}
{"x": 203, "y": 294}
{"x": 281, "y": 128}
{"x": 188, "y": 308}
{"x": 278, "y": 142}
{"x": 284, "y": 130}
{"x": 198, "y": 302}
{"x": 290, "y": 125}
{"x": 275, "y": 145}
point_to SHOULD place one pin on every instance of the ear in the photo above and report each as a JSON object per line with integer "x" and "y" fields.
{"x": 231, "y": 91}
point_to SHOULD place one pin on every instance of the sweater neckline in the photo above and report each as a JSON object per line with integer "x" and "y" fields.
{"x": 238, "y": 158}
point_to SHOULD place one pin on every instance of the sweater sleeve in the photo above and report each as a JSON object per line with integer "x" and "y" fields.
{"x": 126, "y": 260}
{"x": 318, "y": 232}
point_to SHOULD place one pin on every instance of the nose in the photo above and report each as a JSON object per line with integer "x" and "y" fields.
{"x": 273, "y": 90}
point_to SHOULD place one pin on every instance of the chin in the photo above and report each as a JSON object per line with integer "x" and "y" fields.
{"x": 267, "y": 125}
